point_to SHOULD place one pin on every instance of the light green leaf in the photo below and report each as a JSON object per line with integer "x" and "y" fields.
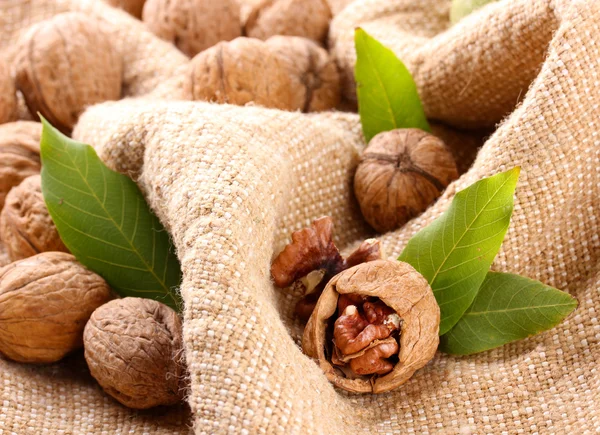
{"x": 507, "y": 308}
{"x": 105, "y": 222}
{"x": 454, "y": 253}
{"x": 462, "y": 8}
{"x": 387, "y": 95}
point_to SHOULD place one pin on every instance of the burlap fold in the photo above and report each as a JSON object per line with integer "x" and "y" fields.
{"x": 231, "y": 184}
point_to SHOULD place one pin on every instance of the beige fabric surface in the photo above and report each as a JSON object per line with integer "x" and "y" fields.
{"x": 231, "y": 184}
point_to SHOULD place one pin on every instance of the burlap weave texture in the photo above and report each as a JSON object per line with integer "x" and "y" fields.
{"x": 231, "y": 184}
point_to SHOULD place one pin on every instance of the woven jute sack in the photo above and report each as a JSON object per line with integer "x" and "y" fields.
{"x": 232, "y": 183}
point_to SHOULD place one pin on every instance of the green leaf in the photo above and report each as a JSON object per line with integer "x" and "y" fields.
{"x": 105, "y": 222}
{"x": 462, "y": 8}
{"x": 387, "y": 95}
{"x": 507, "y": 308}
{"x": 454, "y": 253}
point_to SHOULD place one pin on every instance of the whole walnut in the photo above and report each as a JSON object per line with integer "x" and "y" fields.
{"x": 384, "y": 322}
{"x": 8, "y": 94}
{"x": 45, "y": 302}
{"x": 133, "y": 7}
{"x": 193, "y": 25}
{"x": 19, "y": 154}
{"x": 134, "y": 349}
{"x": 66, "y": 64}
{"x": 248, "y": 70}
{"x": 26, "y": 227}
{"x": 307, "y": 18}
{"x": 400, "y": 174}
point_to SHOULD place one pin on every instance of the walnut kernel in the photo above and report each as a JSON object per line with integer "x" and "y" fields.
{"x": 8, "y": 94}
{"x": 132, "y": 7}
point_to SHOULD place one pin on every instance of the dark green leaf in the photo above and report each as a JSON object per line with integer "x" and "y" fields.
{"x": 454, "y": 253}
{"x": 105, "y": 222}
{"x": 387, "y": 94}
{"x": 507, "y": 308}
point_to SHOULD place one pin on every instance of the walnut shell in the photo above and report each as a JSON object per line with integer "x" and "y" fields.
{"x": 45, "y": 302}
{"x": 8, "y": 94}
{"x": 19, "y": 154}
{"x": 66, "y": 64}
{"x": 193, "y": 25}
{"x": 316, "y": 81}
{"x": 26, "y": 227}
{"x": 306, "y": 18}
{"x": 134, "y": 349}
{"x": 247, "y": 70}
{"x": 400, "y": 174}
{"x": 132, "y": 7}
{"x": 401, "y": 288}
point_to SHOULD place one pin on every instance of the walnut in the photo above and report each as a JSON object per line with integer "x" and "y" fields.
{"x": 374, "y": 325}
{"x": 25, "y": 224}
{"x": 193, "y": 25}
{"x": 400, "y": 174}
{"x": 312, "y": 259}
{"x": 247, "y": 70}
{"x": 307, "y": 18}
{"x": 316, "y": 81}
{"x": 45, "y": 301}
{"x": 8, "y": 94}
{"x": 133, "y": 7}
{"x": 66, "y": 64}
{"x": 19, "y": 154}
{"x": 134, "y": 349}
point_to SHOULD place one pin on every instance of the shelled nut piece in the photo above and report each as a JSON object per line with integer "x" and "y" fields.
{"x": 134, "y": 349}
{"x": 193, "y": 25}
{"x": 26, "y": 227}
{"x": 306, "y": 18}
{"x": 45, "y": 301}
{"x": 312, "y": 259}
{"x": 374, "y": 326}
{"x": 400, "y": 174}
{"x": 8, "y": 94}
{"x": 285, "y": 73}
{"x": 66, "y": 64}
{"x": 19, "y": 154}
{"x": 133, "y": 7}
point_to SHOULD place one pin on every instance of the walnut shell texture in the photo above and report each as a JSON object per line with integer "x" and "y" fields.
{"x": 132, "y": 7}
{"x": 45, "y": 302}
{"x": 26, "y": 227}
{"x": 400, "y": 174}
{"x": 134, "y": 349}
{"x": 306, "y": 18}
{"x": 8, "y": 94}
{"x": 19, "y": 154}
{"x": 66, "y": 64}
{"x": 193, "y": 25}
{"x": 401, "y": 288}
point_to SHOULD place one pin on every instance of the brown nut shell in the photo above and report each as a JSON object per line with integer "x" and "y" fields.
{"x": 8, "y": 94}
{"x": 132, "y": 7}
{"x": 400, "y": 174}
{"x": 134, "y": 349}
{"x": 400, "y": 287}
{"x": 66, "y": 64}
{"x": 306, "y": 18}
{"x": 193, "y": 25}
{"x": 45, "y": 302}
{"x": 26, "y": 227}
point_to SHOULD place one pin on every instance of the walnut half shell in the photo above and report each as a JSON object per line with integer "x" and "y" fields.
{"x": 402, "y": 289}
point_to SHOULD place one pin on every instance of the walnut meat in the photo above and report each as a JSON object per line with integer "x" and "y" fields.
{"x": 400, "y": 174}
{"x": 19, "y": 154}
{"x": 133, "y": 7}
{"x": 66, "y": 64}
{"x": 134, "y": 349}
{"x": 247, "y": 70}
{"x": 374, "y": 326}
{"x": 26, "y": 227}
{"x": 8, "y": 94}
{"x": 193, "y": 25}
{"x": 45, "y": 301}
{"x": 306, "y": 18}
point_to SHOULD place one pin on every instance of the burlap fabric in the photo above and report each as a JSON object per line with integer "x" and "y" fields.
{"x": 231, "y": 183}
